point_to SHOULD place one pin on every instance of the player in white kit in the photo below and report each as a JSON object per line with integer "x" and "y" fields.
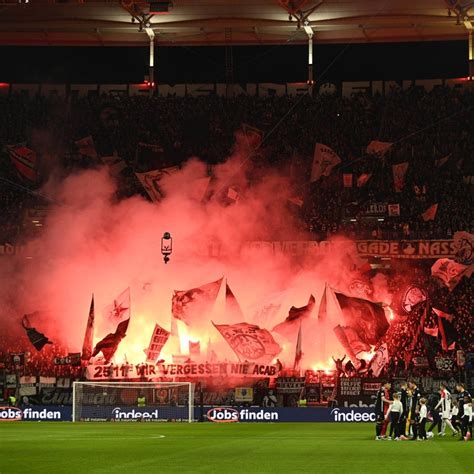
{"x": 445, "y": 403}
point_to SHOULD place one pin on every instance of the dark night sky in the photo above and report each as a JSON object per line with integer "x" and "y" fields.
{"x": 252, "y": 63}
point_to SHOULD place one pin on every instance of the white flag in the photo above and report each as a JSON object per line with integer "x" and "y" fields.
{"x": 380, "y": 360}
{"x": 464, "y": 247}
{"x": 324, "y": 160}
{"x": 151, "y": 182}
{"x": 450, "y": 272}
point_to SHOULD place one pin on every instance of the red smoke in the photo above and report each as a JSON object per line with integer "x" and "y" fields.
{"x": 93, "y": 243}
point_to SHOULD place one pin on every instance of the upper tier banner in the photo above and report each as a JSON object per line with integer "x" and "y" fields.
{"x": 414, "y": 249}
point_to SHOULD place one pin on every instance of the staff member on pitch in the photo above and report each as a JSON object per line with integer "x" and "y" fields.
{"x": 141, "y": 402}
{"x": 415, "y": 408}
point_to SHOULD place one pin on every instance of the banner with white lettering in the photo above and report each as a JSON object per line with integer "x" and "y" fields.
{"x": 365, "y": 248}
{"x": 158, "y": 340}
{"x": 290, "y": 384}
{"x": 152, "y": 371}
{"x": 407, "y": 249}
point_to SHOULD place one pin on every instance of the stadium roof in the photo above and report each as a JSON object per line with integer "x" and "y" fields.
{"x": 217, "y": 22}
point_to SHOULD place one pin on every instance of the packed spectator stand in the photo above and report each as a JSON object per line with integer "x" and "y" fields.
{"x": 423, "y": 126}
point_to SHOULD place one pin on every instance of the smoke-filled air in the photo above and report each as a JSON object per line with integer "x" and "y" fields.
{"x": 96, "y": 244}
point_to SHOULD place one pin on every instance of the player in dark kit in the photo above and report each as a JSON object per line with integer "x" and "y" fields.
{"x": 404, "y": 400}
{"x": 382, "y": 403}
{"x": 462, "y": 394}
{"x": 415, "y": 407}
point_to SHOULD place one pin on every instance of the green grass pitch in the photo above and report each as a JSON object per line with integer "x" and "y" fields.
{"x": 221, "y": 448}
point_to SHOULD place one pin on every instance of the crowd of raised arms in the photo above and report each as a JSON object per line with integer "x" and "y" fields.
{"x": 412, "y": 416}
{"x": 423, "y": 127}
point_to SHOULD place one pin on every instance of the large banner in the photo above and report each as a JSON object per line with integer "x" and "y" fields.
{"x": 429, "y": 249}
{"x": 290, "y": 384}
{"x": 216, "y": 414}
{"x": 272, "y": 415}
{"x": 152, "y": 371}
{"x": 406, "y": 249}
{"x": 36, "y": 413}
{"x": 158, "y": 340}
{"x": 305, "y": 248}
{"x": 357, "y": 392}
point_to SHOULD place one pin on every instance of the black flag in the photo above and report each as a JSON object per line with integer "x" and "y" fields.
{"x": 110, "y": 343}
{"x": 38, "y": 339}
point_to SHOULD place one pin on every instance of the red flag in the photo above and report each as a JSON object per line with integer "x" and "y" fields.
{"x": 399, "y": 171}
{"x": 109, "y": 344}
{"x": 430, "y": 213}
{"x": 442, "y": 314}
{"x": 24, "y": 160}
{"x": 433, "y": 332}
{"x": 296, "y": 200}
{"x": 378, "y": 148}
{"x": 290, "y": 325}
{"x": 298, "y": 351}
{"x": 367, "y": 319}
{"x": 446, "y": 330}
{"x": 249, "y": 341}
{"x": 89, "y": 335}
{"x": 189, "y": 306}
{"x": 362, "y": 179}
{"x": 347, "y": 179}
{"x": 442, "y": 161}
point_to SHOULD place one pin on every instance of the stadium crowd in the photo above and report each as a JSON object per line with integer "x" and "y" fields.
{"x": 423, "y": 127}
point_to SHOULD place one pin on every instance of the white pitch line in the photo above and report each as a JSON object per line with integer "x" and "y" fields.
{"x": 74, "y": 438}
